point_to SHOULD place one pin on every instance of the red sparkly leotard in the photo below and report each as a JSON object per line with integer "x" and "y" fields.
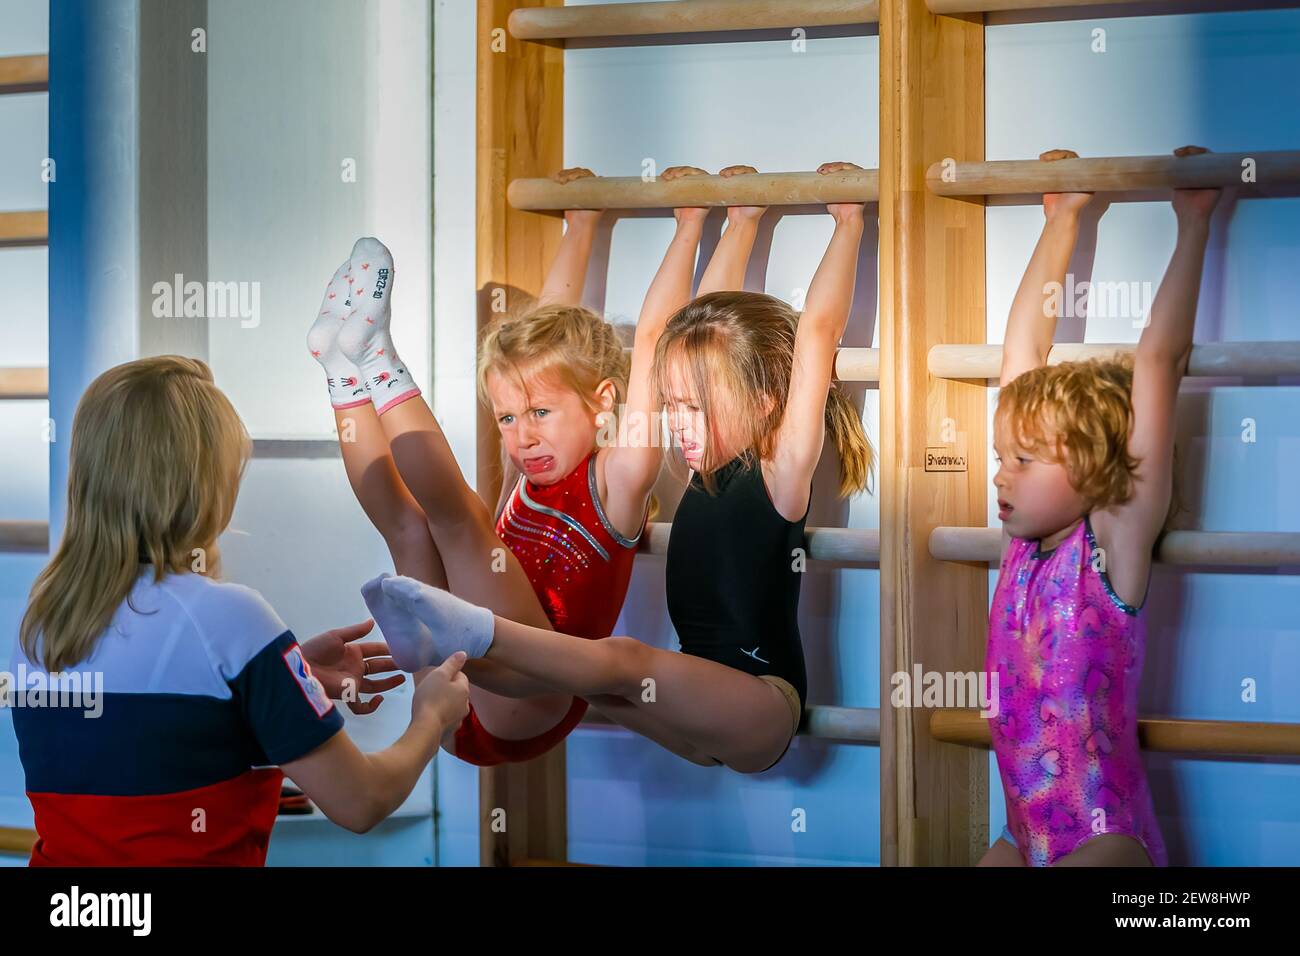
{"x": 579, "y": 565}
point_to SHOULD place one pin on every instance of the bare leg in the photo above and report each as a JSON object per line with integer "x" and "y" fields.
{"x": 513, "y": 712}
{"x": 1109, "y": 849}
{"x": 1001, "y": 853}
{"x": 714, "y": 710}
{"x": 627, "y": 715}
{"x": 480, "y": 568}
{"x": 384, "y": 498}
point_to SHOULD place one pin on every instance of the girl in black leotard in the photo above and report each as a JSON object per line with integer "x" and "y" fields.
{"x": 747, "y": 385}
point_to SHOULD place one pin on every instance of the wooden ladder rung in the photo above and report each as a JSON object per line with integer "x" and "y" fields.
{"x": 755, "y": 189}
{"x": 1254, "y": 173}
{"x": 17, "y": 841}
{"x": 965, "y": 726}
{"x": 1109, "y": 8}
{"x": 1211, "y": 359}
{"x": 24, "y": 537}
{"x": 685, "y": 16}
{"x": 29, "y": 228}
{"x": 24, "y": 74}
{"x": 24, "y": 383}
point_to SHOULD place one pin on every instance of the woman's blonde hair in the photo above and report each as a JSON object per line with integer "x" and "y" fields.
{"x": 156, "y": 458}
{"x": 1078, "y": 414}
{"x": 741, "y": 344}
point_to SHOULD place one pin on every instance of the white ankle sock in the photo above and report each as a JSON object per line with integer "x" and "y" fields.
{"x": 409, "y": 641}
{"x": 344, "y": 380}
{"x": 453, "y": 624}
{"x": 365, "y": 338}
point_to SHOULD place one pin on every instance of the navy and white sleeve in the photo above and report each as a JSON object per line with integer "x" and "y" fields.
{"x": 286, "y": 709}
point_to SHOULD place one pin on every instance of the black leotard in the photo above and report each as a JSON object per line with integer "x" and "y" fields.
{"x": 733, "y": 591}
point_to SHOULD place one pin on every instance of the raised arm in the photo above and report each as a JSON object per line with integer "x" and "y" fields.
{"x": 671, "y": 287}
{"x": 1032, "y": 321}
{"x": 631, "y": 467}
{"x": 825, "y": 316}
{"x": 568, "y": 272}
{"x": 1161, "y": 361}
{"x": 726, "y": 269}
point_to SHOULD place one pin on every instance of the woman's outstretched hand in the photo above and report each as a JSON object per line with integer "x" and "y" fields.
{"x": 347, "y": 670}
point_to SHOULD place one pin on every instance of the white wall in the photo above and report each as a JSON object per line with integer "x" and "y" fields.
{"x": 296, "y": 88}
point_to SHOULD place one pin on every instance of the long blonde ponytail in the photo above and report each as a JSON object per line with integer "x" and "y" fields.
{"x": 844, "y": 428}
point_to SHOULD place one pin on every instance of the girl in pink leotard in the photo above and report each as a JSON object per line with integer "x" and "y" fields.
{"x": 1068, "y": 654}
{"x": 1085, "y": 456}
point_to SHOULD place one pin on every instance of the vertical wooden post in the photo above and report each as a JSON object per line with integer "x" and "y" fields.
{"x": 520, "y": 134}
{"x": 934, "y": 614}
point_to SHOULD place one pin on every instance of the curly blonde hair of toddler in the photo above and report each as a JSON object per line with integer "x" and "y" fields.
{"x": 1078, "y": 414}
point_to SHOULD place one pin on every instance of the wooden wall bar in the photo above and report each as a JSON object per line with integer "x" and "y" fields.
{"x": 29, "y": 228}
{"x": 759, "y": 189}
{"x": 687, "y": 16}
{"x": 1211, "y": 359}
{"x": 1239, "y": 738}
{"x": 1251, "y": 173}
{"x": 1108, "y": 8}
{"x": 520, "y": 135}
{"x": 24, "y": 74}
{"x": 934, "y": 796}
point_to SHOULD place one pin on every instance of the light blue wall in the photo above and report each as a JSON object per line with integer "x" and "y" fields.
{"x": 23, "y": 342}
{"x": 1227, "y": 82}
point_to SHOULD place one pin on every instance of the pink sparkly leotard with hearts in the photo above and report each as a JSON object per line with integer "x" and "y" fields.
{"x": 1068, "y": 655}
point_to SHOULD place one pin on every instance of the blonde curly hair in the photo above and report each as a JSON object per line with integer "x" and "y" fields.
{"x": 568, "y": 343}
{"x": 563, "y": 343}
{"x": 1078, "y": 414}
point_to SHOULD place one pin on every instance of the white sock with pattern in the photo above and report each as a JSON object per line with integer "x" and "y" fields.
{"x": 342, "y": 377}
{"x": 365, "y": 338}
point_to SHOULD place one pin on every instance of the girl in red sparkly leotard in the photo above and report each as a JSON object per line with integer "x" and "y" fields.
{"x": 559, "y": 554}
